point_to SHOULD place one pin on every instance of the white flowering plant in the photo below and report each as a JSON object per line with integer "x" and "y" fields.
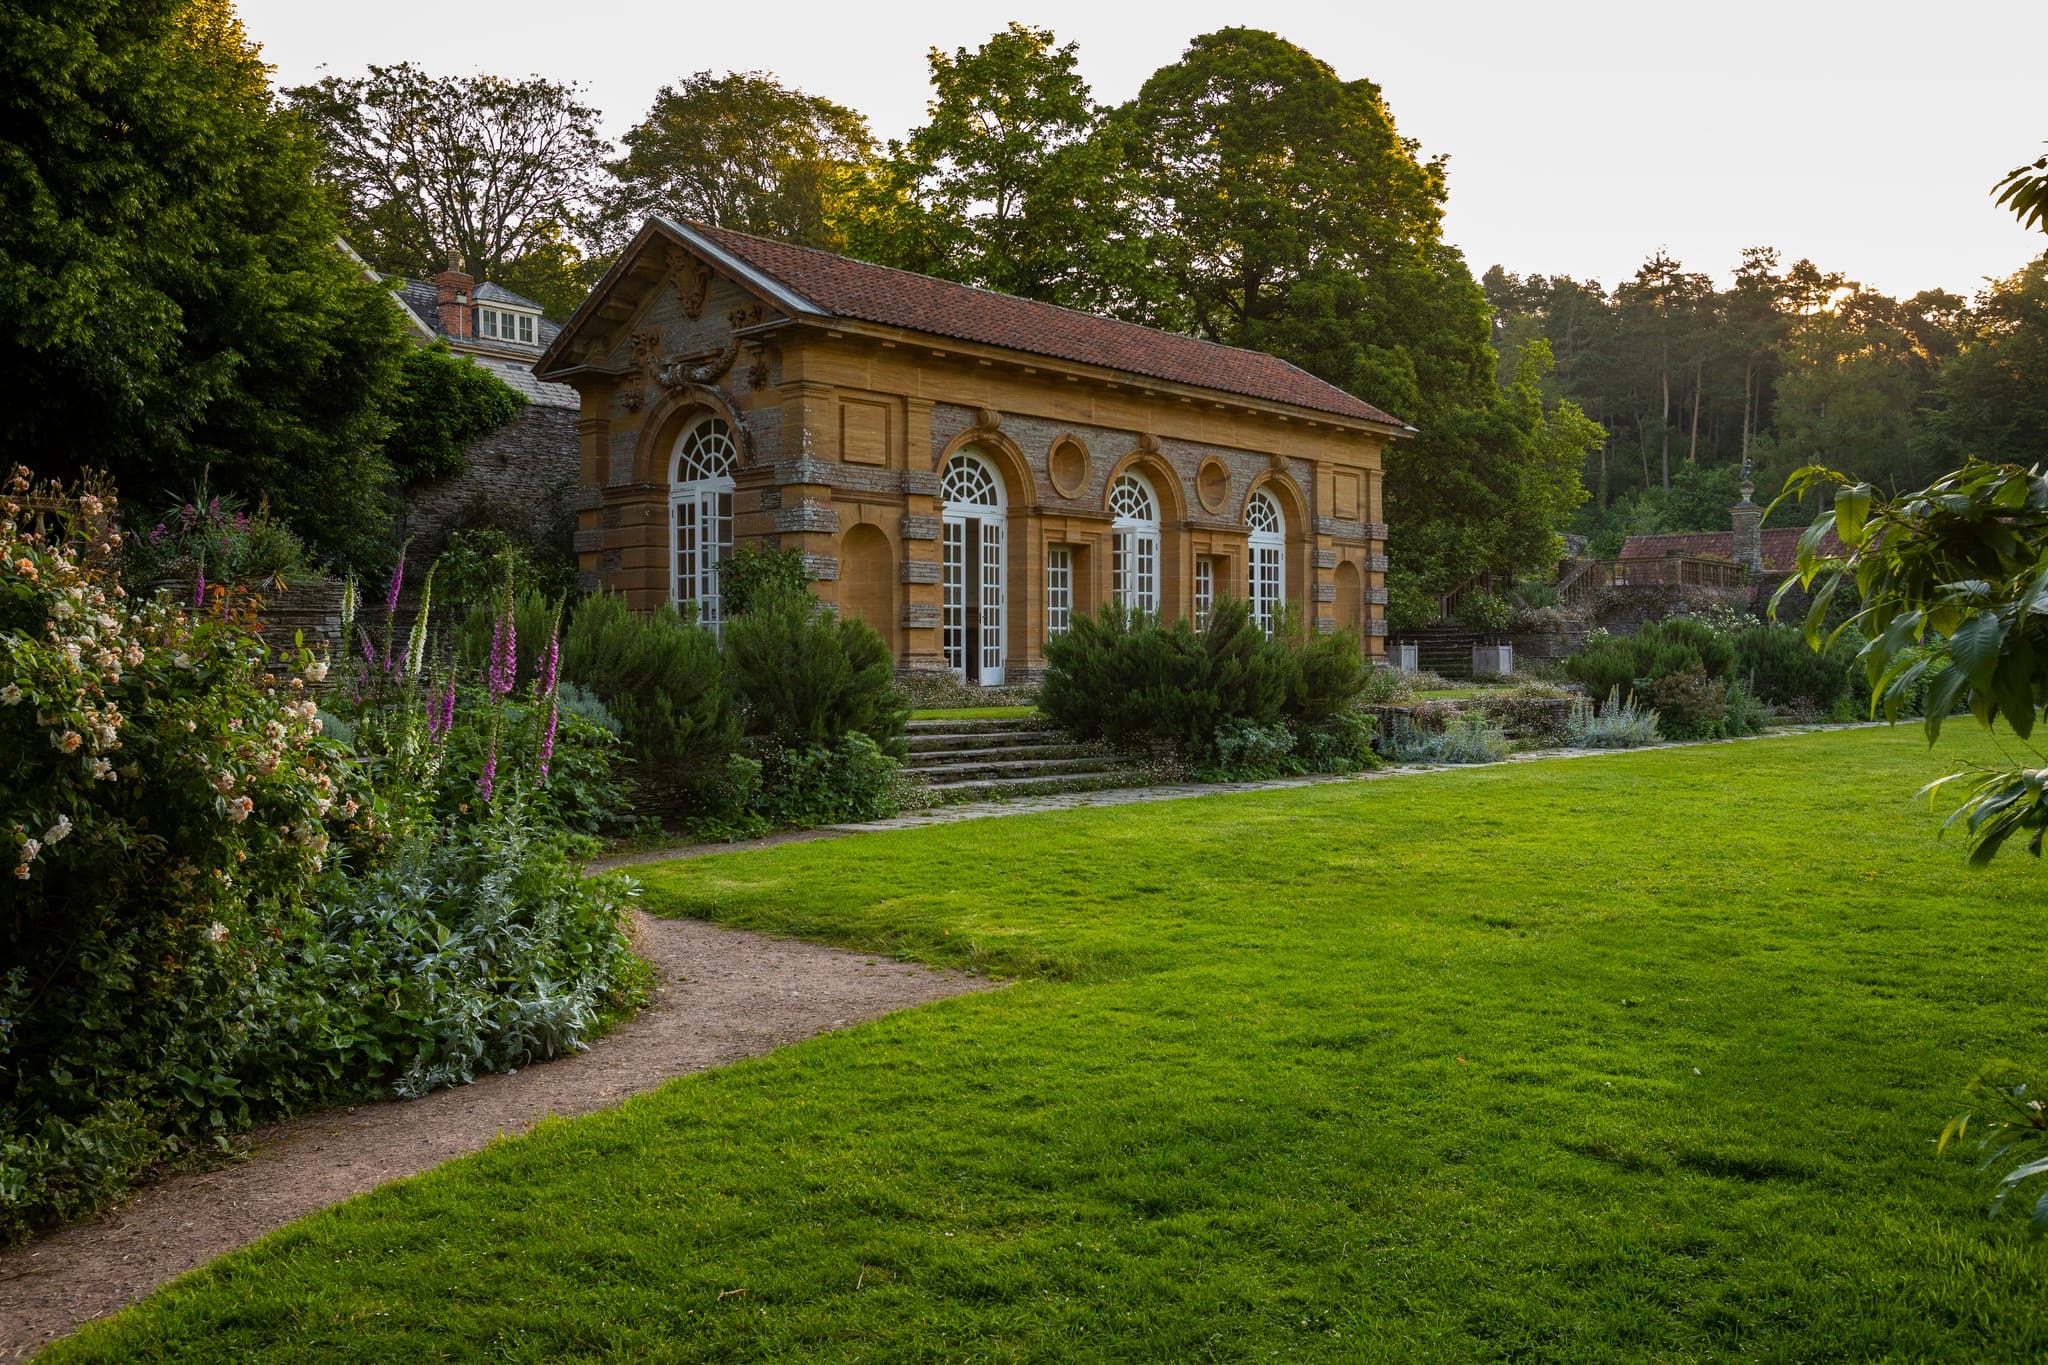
{"x": 167, "y": 806}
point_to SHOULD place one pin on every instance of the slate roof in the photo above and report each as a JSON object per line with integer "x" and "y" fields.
{"x": 839, "y": 286}
{"x": 508, "y": 360}
{"x": 1780, "y": 546}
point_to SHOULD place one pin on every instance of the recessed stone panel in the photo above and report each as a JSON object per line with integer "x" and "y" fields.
{"x": 863, "y": 431}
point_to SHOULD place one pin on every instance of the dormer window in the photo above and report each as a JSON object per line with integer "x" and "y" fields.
{"x": 501, "y": 325}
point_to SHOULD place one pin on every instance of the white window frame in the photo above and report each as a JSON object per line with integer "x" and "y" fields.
{"x": 499, "y": 324}
{"x": 1134, "y": 543}
{"x": 700, "y": 478}
{"x": 1266, "y": 559}
{"x": 970, "y": 490}
{"x": 1059, "y": 590}
{"x": 1205, "y": 589}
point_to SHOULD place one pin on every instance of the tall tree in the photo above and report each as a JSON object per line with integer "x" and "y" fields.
{"x": 1664, "y": 302}
{"x": 171, "y": 294}
{"x": 741, "y": 151}
{"x": 1991, "y": 399}
{"x": 1014, "y": 183}
{"x": 1290, "y": 215}
{"x": 479, "y": 168}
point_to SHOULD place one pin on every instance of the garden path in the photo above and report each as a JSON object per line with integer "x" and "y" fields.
{"x": 721, "y": 995}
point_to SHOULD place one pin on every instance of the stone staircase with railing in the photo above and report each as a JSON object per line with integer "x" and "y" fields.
{"x": 989, "y": 760}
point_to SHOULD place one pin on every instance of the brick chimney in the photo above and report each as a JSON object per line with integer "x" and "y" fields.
{"x": 456, "y": 293}
{"x": 1749, "y": 528}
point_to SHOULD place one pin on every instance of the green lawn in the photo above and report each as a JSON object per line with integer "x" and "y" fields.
{"x": 1633, "y": 1058}
{"x": 973, "y": 712}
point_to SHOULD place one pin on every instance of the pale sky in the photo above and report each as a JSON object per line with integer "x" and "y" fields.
{"x": 1581, "y": 136}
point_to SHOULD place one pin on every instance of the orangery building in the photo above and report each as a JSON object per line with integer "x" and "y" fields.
{"x": 965, "y": 471}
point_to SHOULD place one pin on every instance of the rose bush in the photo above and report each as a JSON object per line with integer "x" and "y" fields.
{"x": 212, "y": 909}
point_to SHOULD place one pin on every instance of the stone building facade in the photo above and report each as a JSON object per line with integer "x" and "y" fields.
{"x": 962, "y": 470}
{"x": 522, "y": 476}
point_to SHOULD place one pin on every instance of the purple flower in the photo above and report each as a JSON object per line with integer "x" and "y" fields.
{"x": 547, "y": 740}
{"x": 369, "y": 653}
{"x": 156, "y": 536}
{"x": 504, "y": 654}
{"x": 199, "y": 586}
{"x": 441, "y": 712}
{"x": 397, "y": 580}
{"x": 551, "y": 665}
{"x": 489, "y": 779}
{"x": 191, "y": 512}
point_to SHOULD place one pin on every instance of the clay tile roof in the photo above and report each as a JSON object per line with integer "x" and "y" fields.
{"x": 848, "y": 288}
{"x": 1780, "y": 546}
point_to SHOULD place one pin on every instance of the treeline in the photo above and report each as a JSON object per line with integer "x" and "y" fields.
{"x": 1789, "y": 366}
{"x": 1248, "y": 194}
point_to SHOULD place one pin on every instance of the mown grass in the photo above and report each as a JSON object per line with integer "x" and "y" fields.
{"x": 973, "y": 712}
{"x": 1631, "y": 1058}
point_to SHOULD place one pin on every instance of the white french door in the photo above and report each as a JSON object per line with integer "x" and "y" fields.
{"x": 703, "y": 541}
{"x": 975, "y": 596}
{"x": 992, "y": 602}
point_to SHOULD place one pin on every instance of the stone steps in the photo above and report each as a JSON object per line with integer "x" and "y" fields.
{"x": 989, "y": 760}
{"x": 1004, "y": 764}
{"x": 950, "y": 742}
{"x": 1000, "y": 789}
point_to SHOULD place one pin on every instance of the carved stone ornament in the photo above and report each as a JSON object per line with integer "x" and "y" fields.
{"x": 691, "y": 278}
{"x": 746, "y": 315}
{"x": 757, "y": 368}
{"x": 706, "y": 371}
{"x": 1148, "y": 443}
{"x": 987, "y": 419}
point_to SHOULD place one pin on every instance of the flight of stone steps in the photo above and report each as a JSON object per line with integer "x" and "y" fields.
{"x": 988, "y": 760}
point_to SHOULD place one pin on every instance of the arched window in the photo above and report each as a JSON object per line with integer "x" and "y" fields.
{"x": 1268, "y": 559}
{"x": 974, "y": 578}
{"x": 700, "y": 515}
{"x": 969, "y": 482}
{"x": 1134, "y": 561}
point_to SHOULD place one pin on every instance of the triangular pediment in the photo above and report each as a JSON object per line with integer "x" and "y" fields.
{"x": 668, "y": 273}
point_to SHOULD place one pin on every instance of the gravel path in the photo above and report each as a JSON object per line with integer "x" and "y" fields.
{"x": 721, "y": 995}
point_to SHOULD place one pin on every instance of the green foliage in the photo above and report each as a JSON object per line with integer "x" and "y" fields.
{"x": 165, "y": 810}
{"x": 1465, "y": 738}
{"x": 1781, "y": 669}
{"x": 848, "y": 779}
{"x": 1016, "y": 183}
{"x": 479, "y": 563}
{"x": 2024, "y": 190}
{"x": 1678, "y": 645}
{"x": 1410, "y": 607}
{"x": 219, "y": 535}
{"x": 1617, "y": 724}
{"x": 172, "y": 293}
{"x": 1953, "y": 581}
{"x": 478, "y": 948}
{"x": 803, "y": 676}
{"x": 756, "y": 574}
{"x": 480, "y": 168}
{"x": 1689, "y": 704}
{"x": 741, "y": 151}
{"x": 1486, "y": 612}
{"x": 1216, "y": 697}
{"x": 2011, "y": 1135}
{"x": 1991, "y": 399}
{"x": 583, "y": 794}
{"x": 664, "y": 682}
{"x": 443, "y": 402}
